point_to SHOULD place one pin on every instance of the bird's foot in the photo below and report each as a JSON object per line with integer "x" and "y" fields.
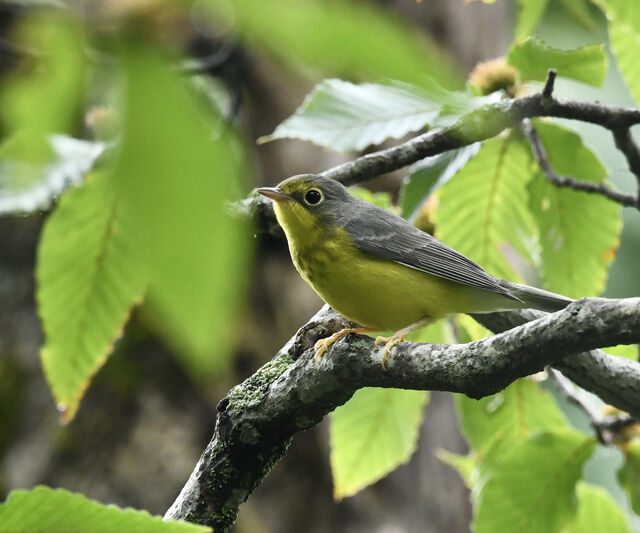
{"x": 389, "y": 342}
{"x": 324, "y": 344}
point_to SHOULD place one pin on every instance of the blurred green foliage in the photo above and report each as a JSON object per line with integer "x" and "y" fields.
{"x": 339, "y": 38}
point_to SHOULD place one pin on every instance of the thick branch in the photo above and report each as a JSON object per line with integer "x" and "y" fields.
{"x": 540, "y": 155}
{"x": 613, "y": 379}
{"x": 291, "y": 393}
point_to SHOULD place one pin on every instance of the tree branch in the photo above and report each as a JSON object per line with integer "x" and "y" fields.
{"x": 625, "y": 143}
{"x": 258, "y": 418}
{"x": 607, "y": 428}
{"x": 540, "y": 155}
{"x": 479, "y": 125}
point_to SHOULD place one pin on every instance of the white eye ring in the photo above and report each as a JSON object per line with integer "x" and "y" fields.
{"x": 313, "y": 197}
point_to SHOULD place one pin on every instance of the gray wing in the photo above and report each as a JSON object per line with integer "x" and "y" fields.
{"x": 382, "y": 234}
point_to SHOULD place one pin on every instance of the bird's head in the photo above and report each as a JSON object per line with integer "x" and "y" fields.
{"x": 307, "y": 202}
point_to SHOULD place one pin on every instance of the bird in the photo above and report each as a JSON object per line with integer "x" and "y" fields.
{"x": 380, "y": 271}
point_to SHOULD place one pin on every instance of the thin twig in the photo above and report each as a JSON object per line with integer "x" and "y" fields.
{"x": 625, "y": 143}
{"x": 549, "y": 83}
{"x": 607, "y": 428}
{"x": 540, "y": 155}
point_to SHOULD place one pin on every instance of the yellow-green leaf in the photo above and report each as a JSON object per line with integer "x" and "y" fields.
{"x": 597, "y": 512}
{"x": 372, "y": 434}
{"x": 533, "y": 58}
{"x": 495, "y": 424}
{"x": 624, "y": 37}
{"x": 46, "y": 98}
{"x": 574, "y": 261}
{"x": 58, "y": 511}
{"x": 529, "y": 14}
{"x": 483, "y": 210}
{"x": 88, "y": 279}
{"x": 629, "y": 473}
{"x": 533, "y": 488}
{"x": 377, "y": 429}
{"x": 176, "y": 176}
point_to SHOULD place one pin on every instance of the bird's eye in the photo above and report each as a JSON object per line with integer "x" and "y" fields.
{"x": 313, "y": 197}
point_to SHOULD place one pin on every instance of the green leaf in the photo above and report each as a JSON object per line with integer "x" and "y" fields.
{"x": 373, "y": 433}
{"x": 568, "y": 154}
{"x": 465, "y": 465}
{"x": 88, "y": 279}
{"x": 57, "y": 511}
{"x": 629, "y": 351}
{"x": 428, "y": 175}
{"x": 496, "y": 424}
{"x": 483, "y": 211}
{"x": 26, "y": 187}
{"x": 529, "y": 14}
{"x": 343, "y": 38}
{"x": 342, "y": 116}
{"x": 624, "y": 37}
{"x": 46, "y": 98}
{"x": 574, "y": 261}
{"x": 533, "y": 58}
{"x": 580, "y": 10}
{"x": 629, "y": 474}
{"x": 597, "y": 512}
{"x": 176, "y": 181}
{"x": 381, "y": 199}
{"x": 377, "y": 429}
{"x": 532, "y": 488}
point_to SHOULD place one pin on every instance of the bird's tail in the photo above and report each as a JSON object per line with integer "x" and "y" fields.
{"x": 535, "y": 298}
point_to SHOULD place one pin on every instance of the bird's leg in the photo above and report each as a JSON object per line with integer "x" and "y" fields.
{"x": 399, "y": 336}
{"x": 324, "y": 344}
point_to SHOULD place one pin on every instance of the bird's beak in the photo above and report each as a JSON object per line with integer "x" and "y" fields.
{"x": 275, "y": 193}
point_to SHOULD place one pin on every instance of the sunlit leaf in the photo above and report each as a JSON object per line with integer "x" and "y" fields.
{"x": 533, "y": 58}
{"x": 372, "y": 434}
{"x": 483, "y": 211}
{"x": 597, "y": 512}
{"x": 176, "y": 178}
{"x": 26, "y": 186}
{"x": 629, "y": 474}
{"x": 574, "y": 261}
{"x": 533, "y": 488}
{"x": 529, "y": 14}
{"x": 339, "y": 38}
{"x": 624, "y": 37}
{"x": 428, "y": 175}
{"x": 495, "y": 424}
{"x": 58, "y": 511}
{"x": 88, "y": 280}
{"x": 343, "y": 116}
{"x": 629, "y": 351}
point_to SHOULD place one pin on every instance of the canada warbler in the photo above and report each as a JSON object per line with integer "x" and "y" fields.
{"x": 380, "y": 271}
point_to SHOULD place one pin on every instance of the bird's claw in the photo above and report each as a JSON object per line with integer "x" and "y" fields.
{"x": 390, "y": 342}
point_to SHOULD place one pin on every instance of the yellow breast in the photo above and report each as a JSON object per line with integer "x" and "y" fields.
{"x": 371, "y": 291}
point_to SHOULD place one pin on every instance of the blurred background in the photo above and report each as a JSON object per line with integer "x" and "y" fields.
{"x": 145, "y": 421}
